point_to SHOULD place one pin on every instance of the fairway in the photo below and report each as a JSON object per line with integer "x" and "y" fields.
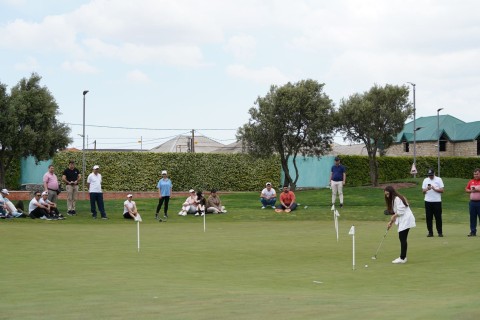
{"x": 234, "y": 270}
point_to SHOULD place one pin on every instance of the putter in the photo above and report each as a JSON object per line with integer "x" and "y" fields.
{"x": 375, "y": 256}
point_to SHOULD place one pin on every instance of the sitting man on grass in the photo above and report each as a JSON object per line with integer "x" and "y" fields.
{"x": 287, "y": 201}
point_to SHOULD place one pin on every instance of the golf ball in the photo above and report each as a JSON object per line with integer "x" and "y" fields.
{"x": 366, "y": 266}
{"x": 306, "y": 207}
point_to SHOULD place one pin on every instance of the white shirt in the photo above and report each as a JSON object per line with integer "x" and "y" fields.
{"x": 269, "y": 194}
{"x": 128, "y": 205}
{"x": 405, "y": 218}
{"x": 95, "y": 181}
{"x": 431, "y": 195}
{"x": 33, "y": 205}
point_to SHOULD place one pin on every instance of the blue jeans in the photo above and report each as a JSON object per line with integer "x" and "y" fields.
{"x": 268, "y": 203}
{"x": 474, "y": 207}
{"x": 98, "y": 198}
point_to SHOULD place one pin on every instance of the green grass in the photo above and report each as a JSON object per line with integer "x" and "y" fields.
{"x": 249, "y": 264}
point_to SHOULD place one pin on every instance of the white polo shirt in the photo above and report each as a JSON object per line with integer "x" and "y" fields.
{"x": 95, "y": 181}
{"x": 430, "y": 195}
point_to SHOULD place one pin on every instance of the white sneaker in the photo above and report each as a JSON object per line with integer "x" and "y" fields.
{"x": 197, "y": 214}
{"x": 399, "y": 260}
{"x": 263, "y": 207}
{"x": 180, "y": 213}
{"x": 273, "y": 207}
{"x": 224, "y": 211}
{"x": 203, "y": 213}
{"x": 184, "y": 214}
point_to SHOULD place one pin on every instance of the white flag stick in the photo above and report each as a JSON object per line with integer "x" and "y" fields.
{"x": 204, "y": 223}
{"x": 138, "y": 236}
{"x": 352, "y": 233}
{"x": 335, "y": 219}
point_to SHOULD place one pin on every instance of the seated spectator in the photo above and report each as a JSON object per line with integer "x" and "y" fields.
{"x": 268, "y": 196}
{"x": 51, "y": 207}
{"x": 4, "y": 214}
{"x": 9, "y": 207}
{"x": 200, "y": 204}
{"x": 36, "y": 209}
{"x": 214, "y": 205}
{"x": 287, "y": 200}
{"x": 129, "y": 208}
{"x": 190, "y": 205}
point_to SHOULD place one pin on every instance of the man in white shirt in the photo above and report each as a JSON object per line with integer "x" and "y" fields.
{"x": 94, "y": 183}
{"x": 268, "y": 196}
{"x": 432, "y": 188}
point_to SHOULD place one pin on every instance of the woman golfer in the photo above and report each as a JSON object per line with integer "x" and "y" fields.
{"x": 402, "y": 217}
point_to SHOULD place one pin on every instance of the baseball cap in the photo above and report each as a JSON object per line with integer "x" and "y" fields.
{"x": 268, "y": 184}
{"x": 45, "y": 193}
{"x": 4, "y": 191}
{"x": 337, "y": 158}
{"x": 430, "y": 172}
{"x": 191, "y": 190}
{"x": 96, "y": 167}
{"x": 164, "y": 171}
{"x": 129, "y": 195}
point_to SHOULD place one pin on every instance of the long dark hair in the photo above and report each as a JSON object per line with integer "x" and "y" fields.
{"x": 392, "y": 193}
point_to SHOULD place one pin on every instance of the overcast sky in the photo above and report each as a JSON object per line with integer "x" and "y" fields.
{"x": 189, "y": 64}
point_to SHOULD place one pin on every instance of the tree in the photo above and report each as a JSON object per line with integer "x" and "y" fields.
{"x": 375, "y": 118}
{"x": 28, "y": 124}
{"x": 290, "y": 120}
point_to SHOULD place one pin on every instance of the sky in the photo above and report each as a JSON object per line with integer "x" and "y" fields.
{"x": 156, "y": 68}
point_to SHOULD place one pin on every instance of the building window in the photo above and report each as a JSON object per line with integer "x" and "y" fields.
{"x": 478, "y": 147}
{"x": 443, "y": 144}
{"x": 406, "y": 146}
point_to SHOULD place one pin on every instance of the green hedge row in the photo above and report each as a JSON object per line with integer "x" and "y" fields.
{"x": 140, "y": 171}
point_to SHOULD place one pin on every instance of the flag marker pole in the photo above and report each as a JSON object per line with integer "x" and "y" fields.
{"x": 352, "y": 233}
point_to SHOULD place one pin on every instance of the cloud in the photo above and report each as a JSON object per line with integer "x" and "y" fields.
{"x": 30, "y": 64}
{"x": 265, "y": 75}
{"x": 242, "y": 47}
{"x": 79, "y": 67}
{"x": 138, "y": 76}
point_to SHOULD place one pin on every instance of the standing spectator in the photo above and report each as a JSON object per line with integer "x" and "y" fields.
{"x": 51, "y": 207}
{"x": 287, "y": 200}
{"x": 50, "y": 184}
{"x": 130, "y": 208}
{"x": 473, "y": 188}
{"x": 94, "y": 182}
{"x": 164, "y": 186}
{"x": 268, "y": 196}
{"x": 432, "y": 188}
{"x": 402, "y": 217}
{"x": 190, "y": 204}
{"x": 214, "y": 204}
{"x": 36, "y": 209}
{"x": 338, "y": 177}
{"x": 71, "y": 177}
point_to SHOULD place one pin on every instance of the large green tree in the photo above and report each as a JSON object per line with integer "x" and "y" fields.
{"x": 375, "y": 117}
{"x": 290, "y": 120}
{"x": 28, "y": 124}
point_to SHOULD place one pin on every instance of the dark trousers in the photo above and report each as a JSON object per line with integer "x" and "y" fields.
{"x": 474, "y": 207}
{"x": 433, "y": 209}
{"x": 38, "y": 212}
{"x": 161, "y": 200}
{"x": 97, "y": 197}
{"x": 402, "y": 236}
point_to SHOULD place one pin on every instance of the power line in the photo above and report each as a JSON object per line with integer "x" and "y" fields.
{"x": 153, "y": 129}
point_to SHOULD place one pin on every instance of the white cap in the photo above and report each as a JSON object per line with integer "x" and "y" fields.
{"x": 45, "y": 193}
{"x": 191, "y": 190}
{"x": 96, "y": 167}
{"x": 164, "y": 171}
{"x": 129, "y": 195}
{"x": 4, "y": 191}
{"x": 268, "y": 183}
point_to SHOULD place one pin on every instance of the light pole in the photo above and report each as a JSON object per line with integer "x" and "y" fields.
{"x": 414, "y": 130}
{"x": 83, "y": 146}
{"x": 438, "y": 141}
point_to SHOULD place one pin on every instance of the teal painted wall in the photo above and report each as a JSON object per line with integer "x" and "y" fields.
{"x": 32, "y": 173}
{"x": 314, "y": 172}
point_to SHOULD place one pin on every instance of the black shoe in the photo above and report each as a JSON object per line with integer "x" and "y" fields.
{"x": 70, "y": 212}
{"x": 430, "y": 235}
{"x": 471, "y": 234}
{"x": 440, "y": 235}
{"x": 341, "y": 205}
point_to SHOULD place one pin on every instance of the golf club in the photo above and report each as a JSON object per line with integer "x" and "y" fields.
{"x": 384, "y": 236}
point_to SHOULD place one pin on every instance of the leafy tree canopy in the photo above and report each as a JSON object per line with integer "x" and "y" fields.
{"x": 28, "y": 125}
{"x": 290, "y": 120}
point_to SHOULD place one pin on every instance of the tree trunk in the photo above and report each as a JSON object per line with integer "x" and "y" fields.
{"x": 373, "y": 165}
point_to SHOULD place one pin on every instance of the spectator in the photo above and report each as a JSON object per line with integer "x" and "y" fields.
{"x": 130, "y": 208}
{"x": 190, "y": 205}
{"x": 338, "y": 177}
{"x": 402, "y": 217}
{"x": 432, "y": 188}
{"x": 36, "y": 209}
{"x": 51, "y": 207}
{"x": 268, "y": 196}
{"x": 473, "y": 189}
{"x": 164, "y": 186}
{"x": 214, "y": 204}
{"x": 9, "y": 207}
{"x": 50, "y": 184}
{"x": 94, "y": 182}
{"x": 201, "y": 202}
{"x": 71, "y": 176}
{"x": 287, "y": 200}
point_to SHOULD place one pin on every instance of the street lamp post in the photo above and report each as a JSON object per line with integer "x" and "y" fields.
{"x": 83, "y": 146}
{"x": 438, "y": 141}
{"x": 414, "y": 131}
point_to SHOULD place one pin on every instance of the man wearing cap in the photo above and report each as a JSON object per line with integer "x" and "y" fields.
{"x": 190, "y": 205}
{"x": 71, "y": 176}
{"x": 94, "y": 183}
{"x": 129, "y": 208}
{"x": 268, "y": 196}
{"x": 338, "y": 177}
{"x": 164, "y": 187}
{"x": 432, "y": 188}
{"x": 50, "y": 184}
{"x": 8, "y": 208}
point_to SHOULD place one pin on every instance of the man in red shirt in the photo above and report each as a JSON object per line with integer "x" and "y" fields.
{"x": 473, "y": 188}
{"x": 287, "y": 200}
